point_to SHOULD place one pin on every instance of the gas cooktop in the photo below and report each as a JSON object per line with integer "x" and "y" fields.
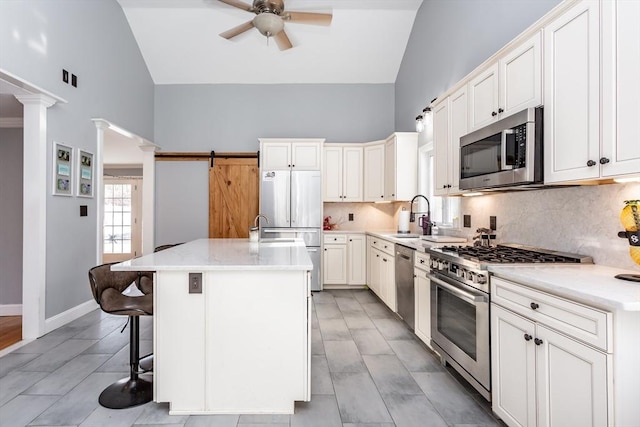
{"x": 509, "y": 254}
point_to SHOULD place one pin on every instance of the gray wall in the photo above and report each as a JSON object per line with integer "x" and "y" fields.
{"x": 233, "y": 117}
{"x": 92, "y": 39}
{"x": 11, "y": 216}
{"x": 449, "y": 39}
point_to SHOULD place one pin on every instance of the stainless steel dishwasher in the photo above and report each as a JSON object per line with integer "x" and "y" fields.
{"x": 405, "y": 295}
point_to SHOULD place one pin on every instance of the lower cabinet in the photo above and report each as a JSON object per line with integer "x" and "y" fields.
{"x": 542, "y": 377}
{"x": 344, "y": 260}
{"x": 422, "y": 286}
{"x": 382, "y": 271}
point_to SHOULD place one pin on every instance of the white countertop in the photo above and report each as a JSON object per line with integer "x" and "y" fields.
{"x": 587, "y": 283}
{"x": 224, "y": 254}
{"x": 416, "y": 242}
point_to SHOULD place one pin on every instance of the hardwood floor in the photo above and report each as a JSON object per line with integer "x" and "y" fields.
{"x": 10, "y": 330}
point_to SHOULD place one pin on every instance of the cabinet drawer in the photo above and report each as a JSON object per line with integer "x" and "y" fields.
{"x": 335, "y": 238}
{"x": 384, "y": 245}
{"x": 421, "y": 261}
{"x": 579, "y": 321}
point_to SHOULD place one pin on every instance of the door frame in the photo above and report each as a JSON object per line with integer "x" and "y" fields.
{"x": 136, "y": 208}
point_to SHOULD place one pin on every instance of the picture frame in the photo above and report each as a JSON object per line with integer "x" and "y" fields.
{"x": 85, "y": 174}
{"x": 63, "y": 170}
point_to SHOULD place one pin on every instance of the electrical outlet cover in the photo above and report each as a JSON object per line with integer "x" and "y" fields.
{"x": 466, "y": 219}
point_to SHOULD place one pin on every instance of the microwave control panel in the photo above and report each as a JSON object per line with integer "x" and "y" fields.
{"x": 520, "y": 133}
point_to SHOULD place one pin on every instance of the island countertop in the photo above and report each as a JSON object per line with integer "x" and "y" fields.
{"x": 224, "y": 254}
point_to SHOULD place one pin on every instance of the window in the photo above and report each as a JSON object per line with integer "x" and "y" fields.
{"x": 121, "y": 232}
{"x": 443, "y": 209}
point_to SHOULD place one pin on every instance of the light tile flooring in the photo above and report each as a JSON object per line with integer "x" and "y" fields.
{"x": 368, "y": 370}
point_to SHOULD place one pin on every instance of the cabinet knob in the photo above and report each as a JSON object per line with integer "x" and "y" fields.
{"x": 393, "y": 195}
{"x": 335, "y": 239}
{"x": 414, "y": 276}
{"x": 604, "y": 160}
{"x": 325, "y": 249}
{"x": 493, "y": 113}
{"x": 527, "y": 337}
{"x": 384, "y": 259}
{"x": 351, "y": 240}
{"x": 534, "y": 305}
{"x": 288, "y": 166}
{"x": 538, "y": 341}
{"x": 591, "y": 163}
{"x": 500, "y": 110}
{"x": 293, "y": 166}
{"x": 381, "y": 196}
{"x": 377, "y": 256}
{"x": 421, "y": 261}
{"x": 444, "y": 186}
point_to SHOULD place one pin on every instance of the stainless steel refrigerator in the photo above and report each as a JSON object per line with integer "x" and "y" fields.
{"x": 292, "y": 200}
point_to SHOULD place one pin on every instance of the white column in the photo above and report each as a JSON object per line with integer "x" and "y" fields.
{"x": 101, "y": 126}
{"x": 148, "y": 198}
{"x": 34, "y": 231}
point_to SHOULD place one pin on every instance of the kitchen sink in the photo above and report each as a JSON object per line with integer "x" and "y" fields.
{"x": 405, "y": 236}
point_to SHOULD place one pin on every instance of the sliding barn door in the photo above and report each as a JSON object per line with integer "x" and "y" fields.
{"x": 233, "y": 196}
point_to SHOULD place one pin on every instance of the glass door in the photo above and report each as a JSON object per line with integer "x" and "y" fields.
{"x": 121, "y": 235}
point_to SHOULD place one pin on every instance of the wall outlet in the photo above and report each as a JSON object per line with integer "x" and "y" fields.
{"x": 83, "y": 210}
{"x": 492, "y": 223}
{"x": 350, "y": 217}
{"x": 466, "y": 221}
{"x": 195, "y": 283}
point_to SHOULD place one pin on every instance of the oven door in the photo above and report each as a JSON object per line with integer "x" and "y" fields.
{"x": 460, "y": 325}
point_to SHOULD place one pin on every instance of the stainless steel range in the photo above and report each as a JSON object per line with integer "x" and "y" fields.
{"x": 460, "y": 300}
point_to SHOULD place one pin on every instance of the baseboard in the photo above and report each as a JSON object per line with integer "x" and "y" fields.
{"x": 10, "y": 309}
{"x": 69, "y": 316}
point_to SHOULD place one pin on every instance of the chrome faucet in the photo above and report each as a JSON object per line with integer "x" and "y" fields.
{"x": 256, "y": 222}
{"x": 254, "y": 232}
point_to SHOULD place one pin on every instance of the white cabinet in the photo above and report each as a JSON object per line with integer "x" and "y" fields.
{"x": 401, "y": 166}
{"x": 382, "y": 271}
{"x": 449, "y": 124}
{"x": 509, "y": 85}
{"x": 290, "y": 154}
{"x": 543, "y": 372}
{"x": 572, "y": 95}
{"x": 374, "y": 171}
{"x": 422, "y": 286}
{"x": 620, "y": 148}
{"x": 344, "y": 260}
{"x": 343, "y": 173}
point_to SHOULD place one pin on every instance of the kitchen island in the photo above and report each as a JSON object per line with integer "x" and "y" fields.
{"x": 235, "y": 336}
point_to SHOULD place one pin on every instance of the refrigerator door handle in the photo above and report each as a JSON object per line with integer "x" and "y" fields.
{"x": 288, "y": 203}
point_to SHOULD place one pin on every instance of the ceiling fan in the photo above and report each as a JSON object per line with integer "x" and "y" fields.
{"x": 270, "y": 18}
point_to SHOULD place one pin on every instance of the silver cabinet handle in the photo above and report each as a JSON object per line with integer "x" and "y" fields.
{"x": 459, "y": 292}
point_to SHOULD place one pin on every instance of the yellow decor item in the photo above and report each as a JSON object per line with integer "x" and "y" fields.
{"x": 630, "y": 219}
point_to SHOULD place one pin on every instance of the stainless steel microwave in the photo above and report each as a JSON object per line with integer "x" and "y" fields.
{"x": 506, "y": 153}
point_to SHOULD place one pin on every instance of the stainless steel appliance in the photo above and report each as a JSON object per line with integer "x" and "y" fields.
{"x": 292, "y": 200}
{"x": 507, "y": 153}
{"x": 405, "y": 294}
{"x": 460, "y": 298}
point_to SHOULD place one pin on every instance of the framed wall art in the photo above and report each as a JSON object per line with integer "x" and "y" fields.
{"x": 62, "y": 170}
{"x": 85, "y": 174}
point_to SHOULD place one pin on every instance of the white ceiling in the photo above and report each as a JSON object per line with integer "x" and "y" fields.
{"x": 180, "y": 44}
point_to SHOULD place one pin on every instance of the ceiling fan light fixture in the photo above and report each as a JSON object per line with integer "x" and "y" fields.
{"x": 268, "y": 24}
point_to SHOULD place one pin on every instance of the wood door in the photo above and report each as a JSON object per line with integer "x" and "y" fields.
{"x": 233, "y": 197}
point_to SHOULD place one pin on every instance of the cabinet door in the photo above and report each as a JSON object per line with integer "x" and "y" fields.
{"x": 332, "y": 175}
{"x": 335, "y": 264}
{"x": 375, "y": 281}
{"x": 388, "y": 281}
{"x": 513, "y": 365}
{"x": 483, "y": 98}
{"x": 459, "y": 127}
{"x": 571, "y": 95}
{"x": 374, "y": 173}
{"x": 356, "y": 259}
{"x": 569, "y": 371}
{"x": 305, "y": 156}
{"x": 352, "y": 174}
{"x": 390, "y": 169}
{"x": 422, "y": 286}
{"x": 276, "y": 156}
{"x": 441, "y": 139}
{"x": 521, "y": 77}
{"x": 620, "y": 148}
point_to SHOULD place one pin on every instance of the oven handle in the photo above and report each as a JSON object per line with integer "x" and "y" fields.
{"x": 503, "y": 149}
{"x": 458, "y": 292}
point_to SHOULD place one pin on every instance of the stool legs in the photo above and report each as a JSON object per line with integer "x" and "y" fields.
{"x": 132, "y": 391}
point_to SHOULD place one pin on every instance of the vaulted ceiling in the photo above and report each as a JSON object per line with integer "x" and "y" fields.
{"x": 180, "y": 42}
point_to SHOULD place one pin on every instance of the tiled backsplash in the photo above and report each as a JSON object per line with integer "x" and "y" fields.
{"x": 583, "y": 220}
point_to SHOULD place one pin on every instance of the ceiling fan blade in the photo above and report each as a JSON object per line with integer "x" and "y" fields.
{"x": 239, "y": 5}
{"x": 282, "y": 40}
{"x": 237, "y": 30}
{"x": 309, "y": 18}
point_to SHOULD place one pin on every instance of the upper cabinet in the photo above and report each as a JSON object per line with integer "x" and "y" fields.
{"x": 401, "y": 166}
{"x": 449, "y": 124}
{"x": 373, "y": 171}
{"x": 291, "y": 154}
{"x": 512, "y": 83}
{"x": 343, "y": 173}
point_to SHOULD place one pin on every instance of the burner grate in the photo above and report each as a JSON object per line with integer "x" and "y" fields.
{"x": 506, "y": 254}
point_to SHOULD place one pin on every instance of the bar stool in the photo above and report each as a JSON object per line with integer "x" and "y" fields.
{"x": 107, "y": 287}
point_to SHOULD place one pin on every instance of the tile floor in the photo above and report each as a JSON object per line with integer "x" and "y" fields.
{"x": 368, "y": 370}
